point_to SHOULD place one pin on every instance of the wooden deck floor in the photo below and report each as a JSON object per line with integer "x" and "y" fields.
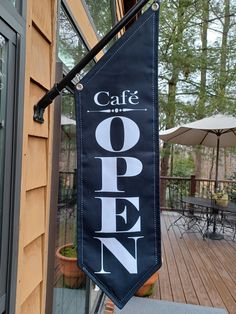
{"x": 196, "y": 271}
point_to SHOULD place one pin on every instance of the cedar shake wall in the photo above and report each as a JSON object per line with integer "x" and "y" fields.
{"x": 36, "y": 162}
{"x": 41, "y": 23}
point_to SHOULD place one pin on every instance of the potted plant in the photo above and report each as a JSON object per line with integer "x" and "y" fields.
{"x": 147, "y": 288}
{"x": 221, "y": 198}
{"x": 232, "y": 194}
{"x": 74, "y": 277}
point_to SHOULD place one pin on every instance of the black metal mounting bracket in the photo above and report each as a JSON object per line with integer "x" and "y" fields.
{"x": 48, "y": 98}
{"x": 38, "y": 114}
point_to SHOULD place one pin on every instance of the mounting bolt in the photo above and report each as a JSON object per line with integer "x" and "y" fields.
{"x": 155, "y": 6}
{"x": 79, "y": 86}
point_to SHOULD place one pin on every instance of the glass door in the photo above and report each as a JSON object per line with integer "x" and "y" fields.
{"x": 69, "y": 281}
{"x": 72, "y": 291}
{"x": 7, "y": 69}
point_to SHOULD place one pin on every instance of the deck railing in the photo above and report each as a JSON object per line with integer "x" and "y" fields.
{"x": 67, "y": 186}
{"x": 173, "y": 188}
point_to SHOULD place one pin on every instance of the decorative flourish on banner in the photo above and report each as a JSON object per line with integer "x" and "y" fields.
{"x": 119, "y": 244}
{"x": 116, "y": 110}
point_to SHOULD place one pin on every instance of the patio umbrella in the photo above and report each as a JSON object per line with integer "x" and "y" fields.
{"x": 215, "y": 131}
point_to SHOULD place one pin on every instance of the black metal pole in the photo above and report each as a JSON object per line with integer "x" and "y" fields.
{"x": 48, "y": 98}
{"x": 217, "y": 161}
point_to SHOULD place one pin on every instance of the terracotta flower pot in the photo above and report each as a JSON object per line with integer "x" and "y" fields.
{"x": 74, "y": 277}
{"x": 147, "y": 288}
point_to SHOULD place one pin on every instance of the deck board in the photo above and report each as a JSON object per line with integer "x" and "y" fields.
{"x": 187, "y": 286}
{"x": 175, "y": 280}
{"x": 196, "y": 271}
{"x": 164, "y": 282}
{"x": 215, "y": 274}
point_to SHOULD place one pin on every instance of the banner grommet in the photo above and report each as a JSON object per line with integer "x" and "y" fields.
{"x": 155, "y": 6}
{"x": 79, "y": 86}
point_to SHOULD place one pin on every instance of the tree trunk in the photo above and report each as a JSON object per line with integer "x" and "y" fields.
{"x": 223, "y": 77}
{"x": 212, "y": 164}
{"x": 165, "y": 159}
{"x": 198, "y": 162}
{"x": 201, "y": 108}
{"x": 164, "y": 171}
{"x": 172, "y": 161}
{"x": 170, "y": 107}
{"x": 225, "y": 164}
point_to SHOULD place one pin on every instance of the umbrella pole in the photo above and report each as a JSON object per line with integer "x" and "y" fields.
{"x": 217, "y": 161}
{"x": 214, "y": 235}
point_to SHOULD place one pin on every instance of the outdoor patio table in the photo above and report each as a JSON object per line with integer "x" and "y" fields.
{"x": 213, "y": 210}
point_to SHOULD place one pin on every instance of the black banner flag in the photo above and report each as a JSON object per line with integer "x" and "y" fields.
{"x": 119, "y": 244}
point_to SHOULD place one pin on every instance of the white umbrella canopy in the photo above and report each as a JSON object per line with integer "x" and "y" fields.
{"x": 215, "y": 131}
{"x": 204, "y": 132}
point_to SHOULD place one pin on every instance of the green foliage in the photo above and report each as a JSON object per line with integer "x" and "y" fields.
{"x": 71, "y": 48}
{"x": 100, "y": 11}
{"x": 197, "y": 61}
{"x": 183, "y": 166}
{"x": 232, "y": 189}
{"x": 185, "y": 59}
{"x": 69, "y": 251}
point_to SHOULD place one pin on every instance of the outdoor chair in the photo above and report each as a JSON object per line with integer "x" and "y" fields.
{"x": 229, "y": 225}
{"x": 190, "y": 218}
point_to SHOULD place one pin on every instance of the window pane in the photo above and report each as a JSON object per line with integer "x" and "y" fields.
{"x": 71, "y": 48}
{"x": 17, "y": 4}
{"x": 69, "y": 290}
{"x": 13, "y": 2}
{"x": 101, "y": 13}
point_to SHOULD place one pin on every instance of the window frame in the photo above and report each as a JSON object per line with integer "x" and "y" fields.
{"x": 10, "y": 42}
{"x": 14, "y": 16}
{"x": 15, "y": 23}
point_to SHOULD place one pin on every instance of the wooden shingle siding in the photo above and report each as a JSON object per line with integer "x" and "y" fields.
{"x": 42, "y": 17}
{"x": 32, "y": 267}
{"x": 33, "y": 224}
{"x": 32, "y": 304}
{"x": 36, "y": 159}
{"x": 40, "y": 57}
{"x": 36, "y": 163}
{"x": 40, "y": 62}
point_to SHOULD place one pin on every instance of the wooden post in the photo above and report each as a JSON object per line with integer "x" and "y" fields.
{"x": 192, "y": 185}
{"x": 162, "y": 193}
{"x": 75, "y": 179}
